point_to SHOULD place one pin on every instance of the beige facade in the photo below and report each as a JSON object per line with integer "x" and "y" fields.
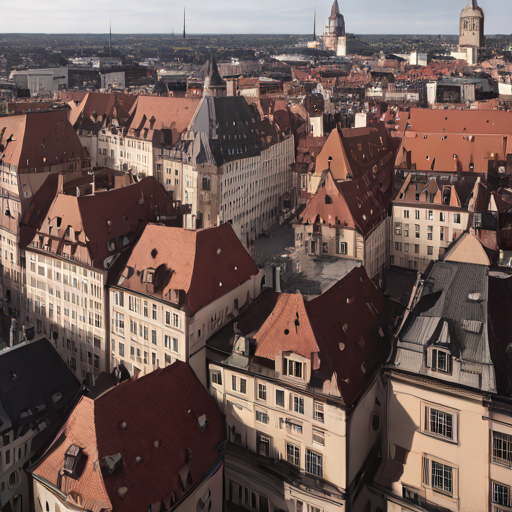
{"x": 67, "y": 304}
{"x": 456, "y": 450}
{"x": 149, "y": 333}
{"x": 421, "y": 233}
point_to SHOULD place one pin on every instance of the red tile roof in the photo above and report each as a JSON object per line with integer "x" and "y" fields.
{"x": 346, "y": 332}
{"x": 154, "y": 418}
{"x": 206, "y": 264}
{"x": 39, "y": 139}
{"x": 117, "y": 215}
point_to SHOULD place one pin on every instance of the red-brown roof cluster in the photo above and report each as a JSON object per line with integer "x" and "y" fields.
{"x": 344, "y": 331}
{"x": 152, "y": 423}
{"x": 205, "y": 264}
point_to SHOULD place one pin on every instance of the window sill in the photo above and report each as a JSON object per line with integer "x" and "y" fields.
{"x": 441, "y": 438}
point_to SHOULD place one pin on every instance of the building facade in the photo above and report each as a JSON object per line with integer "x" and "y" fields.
{"x": 472, "y": 26}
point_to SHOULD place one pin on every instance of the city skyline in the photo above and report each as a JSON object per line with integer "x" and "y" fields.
{"x": 228, "y": 17}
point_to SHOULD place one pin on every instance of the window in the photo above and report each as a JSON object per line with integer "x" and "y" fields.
{"x": 262, "y": 391}
{"x": 233, "y": 383}
{"x": 502, "y": 449}
{"x": 500, "y": 496}
{"x": 298, "y": 404}
{"x": 292, "y": 368}
{"x": 417, "y": 215}
{"x": 175, "y": 320}
{"x": 416, "y": 249}
{"x": 441, "y": 234}
{"x": 262, "y": 417}
{"x": 216, "y": 378}
{"x": 154, "y": 312}
{"x": 430, "y": 250}
{"x": 430, "y": 215}
{"x": 121, "y": 349}
{"x": 314, "y": 464}
{"x": 406, "y": 214}
{"x": 153, "y": 337}
{"x": 417, "y": 230}
{"x": 398, "y": 246}
{"x": 437, "y": 475}
{"x": 319, "y": 411}
{"x": 293, "y": 454}
{"x": 146, "y": 308}
{"x": 456, "y": 218}
{"x": 441, "y": 361}
{"x": 279, "y": 397}
{"x": 342, "y": 247}
{"x": 175, "y": 345}
{"x": 406, "y": 230}
{"x": 441, "y": 216}
{"x": 263, "y": 444}
{"x": 318, "y": 437}
{"x": 440, "y": 423}
{"x": 243, "y": 386}
{"x": 430, "y": 232}
{"x": 406, "y": 247}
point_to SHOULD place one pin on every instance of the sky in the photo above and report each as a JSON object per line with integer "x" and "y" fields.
{"x": 245, "y": 16}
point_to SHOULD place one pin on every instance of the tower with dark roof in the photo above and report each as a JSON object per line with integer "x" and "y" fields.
{"x": 334, "y": 35}
{"x": 472, "y": 26}
{"x": 214, "y": 85}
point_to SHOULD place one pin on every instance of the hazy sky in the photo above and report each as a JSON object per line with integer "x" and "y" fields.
{"x": 245, "y": 16}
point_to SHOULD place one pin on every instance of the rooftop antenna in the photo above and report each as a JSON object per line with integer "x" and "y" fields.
{"x": 314, "y": 28}
{"x": 184, "y": 32}
{"x": 110, "y": 38}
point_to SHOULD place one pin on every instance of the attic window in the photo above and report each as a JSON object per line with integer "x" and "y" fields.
{"x": 112, "y": 244}
{"x": 202, "y": 422}
{"x": 154, "y": 253}
{"x": 474, "y": 296}
{"x": 59, "y": 222}
{"x": 71, "y": 459}
{"x": 122, "y": 491}
{"x": 148, "y": 276}
{"x": 472, "y": 326}
{"x": 57, "y": 397}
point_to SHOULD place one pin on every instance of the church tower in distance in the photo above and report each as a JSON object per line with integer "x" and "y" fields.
{"x": 334, "y": 35}
{"x": 471, "y": 26}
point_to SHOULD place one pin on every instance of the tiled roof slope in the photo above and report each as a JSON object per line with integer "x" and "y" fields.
{"x": 154, "y": 418}
{"x": 161, "y": 119}
{"x": 351, "y": 204}
{"x": 39, "y": 139}
{"x": 205, "y": 264}
{"x": 117, "y": 215}
{"x": 345, "y": 332}
{"x": 98, "y": 109}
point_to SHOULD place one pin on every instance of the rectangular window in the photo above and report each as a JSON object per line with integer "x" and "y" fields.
{"x": 153, "y": 337}
{"x": 233, "y": 383}
{"x": 417, "y": 215}
{"x": 456, "y": 218}
{"x": 154, "y": 312}
{"x": 430, "y": 214}
{"x": 314, "y": 463}
{"x": 441, "y": 361}
{"x": 441, "y": 234}
{"x": 439, "y": 423}
{"x": 262, "y": 417}
{"x": 430, "y": 250}
{"x": 441, "y": 216}
{"x": 318, "y": 437}
{"x": 398, "y": 246}
{"x": 175, "y": 345}
{"x": 146, "y": 308}
{"x": 319, "y": 411}
{"x": 262, "y": 391}
{"x": 417, "y": 230}
{"x": 406, "y": 247}
{"x": 216, "y": 378}
{"x": 502, "y": 449}
{"x": 121, "y": 349}
{"x": 500, "y": 496}
{"x": 243, "y": 386}
{"x": 279, "y": 397}
{"x": 416, "y": 249}
{"x": 430, "y": 232}
{"x": 406, "y": 214}
{"x": 342, "y": 247}
{"x": 263, "y": 445}
{"x": 406, "y": 230}
{"x": 293, "y": 454}
{"x": 298, "y": 404}
{"x": 442, "y": 477}
{"x": 292, "y": 368}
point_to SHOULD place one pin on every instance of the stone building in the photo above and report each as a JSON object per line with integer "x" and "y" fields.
{"x": 472, "y": 26}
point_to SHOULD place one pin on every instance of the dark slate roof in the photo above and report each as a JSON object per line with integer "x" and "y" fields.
{"x": 30, "y": 374}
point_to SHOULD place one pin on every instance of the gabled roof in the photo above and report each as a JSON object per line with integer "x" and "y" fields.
{"x": 39, "y": 139}
{"x": 152, "y": 423}
{"x": 205, "y": 264}
{"x": 345, "y": 332}
{"x": 116, "y": 215}
{"x": 351, "y": 204}
{"x": 30, "y": 375}
{"x": 161, "y": 119}
{"x": 98, "y": 109}
{"x": 468, "y": 249}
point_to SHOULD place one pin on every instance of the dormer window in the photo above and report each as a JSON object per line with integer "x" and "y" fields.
{"x": 71, "y": 459}
{"x": 441, "y": 361}
{"x": 292, "y": 368}
{"x": 149, "y": 276}
{"x": 112, "y": 244}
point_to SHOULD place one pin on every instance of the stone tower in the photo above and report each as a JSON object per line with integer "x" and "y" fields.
{"x": 214, "y": 85}
{"x": 471, "y": 26}
{"x": 334, "y": 35}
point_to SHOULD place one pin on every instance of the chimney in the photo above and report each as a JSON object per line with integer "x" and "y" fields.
{"x": 60, "y": 183}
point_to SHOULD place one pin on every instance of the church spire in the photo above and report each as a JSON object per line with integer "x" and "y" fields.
{"x": 314, "y": 27}
{"x": 335, "y": 11}
{"x": 110, "y": 38}
{"x": 184, "y": 31}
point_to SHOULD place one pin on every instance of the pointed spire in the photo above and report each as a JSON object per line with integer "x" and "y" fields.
{"x": 314, "y": 28}
{"x": 184, "y": 32}
{"x": 110, "y": 38}
{"x": 335, "y": 11}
